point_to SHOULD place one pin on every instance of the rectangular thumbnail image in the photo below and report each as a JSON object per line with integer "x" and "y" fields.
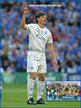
{"x": 63, "y": 91}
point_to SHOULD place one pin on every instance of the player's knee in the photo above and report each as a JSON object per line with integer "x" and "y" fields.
{"x": 33, "y": 76}
{"x": 42, "y": 77}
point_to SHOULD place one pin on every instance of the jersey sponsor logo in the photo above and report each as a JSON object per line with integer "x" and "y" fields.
{"x": 42, "y": 38}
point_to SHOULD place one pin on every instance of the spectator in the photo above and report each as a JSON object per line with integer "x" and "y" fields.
{"x": 11, "y": 69}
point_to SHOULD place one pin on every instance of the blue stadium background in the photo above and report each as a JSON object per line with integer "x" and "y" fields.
{"x": 64, "y": 24}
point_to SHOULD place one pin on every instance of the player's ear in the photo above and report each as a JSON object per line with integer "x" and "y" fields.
{"x": 37, "y": 19}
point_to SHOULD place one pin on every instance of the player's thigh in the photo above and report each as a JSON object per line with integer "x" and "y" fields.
{"x": 42, "y": 67}
{"x": 32, "y": 63}
{"x": 42, "y": 71}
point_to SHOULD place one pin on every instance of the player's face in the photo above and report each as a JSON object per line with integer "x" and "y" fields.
{"x": 42, "y": 19}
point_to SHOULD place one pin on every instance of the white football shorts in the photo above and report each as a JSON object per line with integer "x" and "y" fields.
{"x": 36, "y": 62}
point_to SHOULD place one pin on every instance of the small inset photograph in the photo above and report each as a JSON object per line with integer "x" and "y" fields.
{"x": 63, "y": 91}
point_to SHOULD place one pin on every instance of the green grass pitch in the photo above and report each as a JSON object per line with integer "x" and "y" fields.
{"x": 16, "y": 96}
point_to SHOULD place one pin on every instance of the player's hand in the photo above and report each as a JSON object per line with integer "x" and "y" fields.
{"x": 55, "y": 63}
{"x": 2, "y": 53}
{"x": 26, "y": 10}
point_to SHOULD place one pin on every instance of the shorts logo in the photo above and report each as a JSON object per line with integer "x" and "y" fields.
{"x": 31, "y": 88}
{"x": 31, "y": 67}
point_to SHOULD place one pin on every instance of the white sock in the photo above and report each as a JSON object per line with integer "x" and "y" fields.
{"x": 40, "y": 89}
{"x": 30, "y": 87}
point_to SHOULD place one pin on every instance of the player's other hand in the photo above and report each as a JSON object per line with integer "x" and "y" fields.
{"x": 26, "y": 10}
{"x": 55, "y": 63}
{"x": 2, "y": 53}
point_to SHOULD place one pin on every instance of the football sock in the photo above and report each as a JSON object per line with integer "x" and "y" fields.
{"x": 40, "y": 89}
{"x": 30, "y": 87}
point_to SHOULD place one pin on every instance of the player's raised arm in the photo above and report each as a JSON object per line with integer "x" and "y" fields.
{"x": 22, "y": 24}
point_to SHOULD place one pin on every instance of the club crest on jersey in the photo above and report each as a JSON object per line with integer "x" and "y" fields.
{"x": 45, "y": 32}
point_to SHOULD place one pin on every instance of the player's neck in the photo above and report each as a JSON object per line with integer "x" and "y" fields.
{"x": 41, "y": 25}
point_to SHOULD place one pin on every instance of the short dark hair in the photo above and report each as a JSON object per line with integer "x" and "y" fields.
{"x": 38, "y": 14}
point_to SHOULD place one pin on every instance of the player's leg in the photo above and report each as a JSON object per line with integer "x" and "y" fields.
{"x": 41, "y": 80}
{"x": 40, "y": 85}
{"x": 40, "y": 88}
{"x": 32, "y": 68}
{"x": 30, "y": 87}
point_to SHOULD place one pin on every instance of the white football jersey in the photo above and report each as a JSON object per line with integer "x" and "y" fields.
{"x": 38, "y": 37}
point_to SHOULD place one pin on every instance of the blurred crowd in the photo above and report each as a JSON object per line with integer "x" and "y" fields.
{"x": 58, "y": 89}
{"x": 64, "y": 24}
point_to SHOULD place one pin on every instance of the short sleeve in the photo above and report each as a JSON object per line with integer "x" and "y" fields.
{"x": 28, "y": 28}
{"x": 50, "y": 40}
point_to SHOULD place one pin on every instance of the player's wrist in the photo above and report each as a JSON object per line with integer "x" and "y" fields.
{"x": 24, "y": 15}
{"x": 54, "y": 58}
